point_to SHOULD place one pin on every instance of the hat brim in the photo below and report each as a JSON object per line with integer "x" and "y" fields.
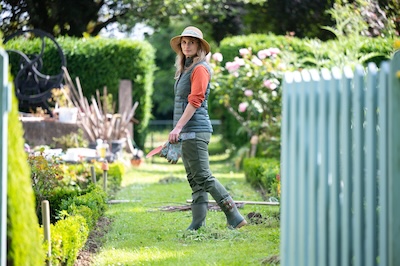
{"x": 175, "y": 43}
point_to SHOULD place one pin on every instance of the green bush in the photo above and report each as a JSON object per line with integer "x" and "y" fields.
{"x": 55, "y": 199}
{"x": 68, "y": 236}
{"x": 94, "y": 199}
{"x": 24, "y": 244}
{"x": 264, "y": 173}
{"x": 296, "y": 54}
{"x": 114, "y": 175}
{"x": 99, "y": 63}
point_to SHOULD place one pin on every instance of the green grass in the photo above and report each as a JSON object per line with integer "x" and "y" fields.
{"x": 143, "y": 234}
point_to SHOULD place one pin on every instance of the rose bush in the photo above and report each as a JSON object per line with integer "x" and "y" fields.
{"x": 250, "y": 88}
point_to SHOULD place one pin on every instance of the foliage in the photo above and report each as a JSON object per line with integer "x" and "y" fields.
{"x": 72, "y": 140}
{"x": 94, "y": 61}
{"x": 224, "y": 17}
{"x": 264, "y": 173}
{"x": 91, "y": 205}
{"x": 68, "y": 236}
{"x": 352, "y": 45}
{"x": 24, "y": 244}
{"x": 89, "y": 17}
{"x": 83, "y": 174}
{"x": 301, "y": 18}
{"x": 46, "y": 175}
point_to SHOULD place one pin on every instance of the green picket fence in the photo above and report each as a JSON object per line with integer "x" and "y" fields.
{"x": 340, "y": 166}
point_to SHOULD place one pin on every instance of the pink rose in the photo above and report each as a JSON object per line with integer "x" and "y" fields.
{"x": 218, "y": 57}
{"x": 248, "y": 93}
{"x": 243, "y": 107}
{"x": 244, "y": 51}
{"x": 262, "y": 54}
{"x": 239, "y": 61}
{"x": 232, "y": 66}
{"x": 256, "y": 61}
{"x": 269, "y": 84}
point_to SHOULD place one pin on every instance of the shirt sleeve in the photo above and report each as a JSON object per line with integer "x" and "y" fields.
{"x": 199, "y": 79}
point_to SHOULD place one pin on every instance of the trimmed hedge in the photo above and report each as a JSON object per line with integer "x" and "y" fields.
{"x": 99, "y": 63}
{"x": 90, "y": 205}
{"x": 302, "y": 48}
{"x": 24, "y": 244}
{"x": 265, "y": 173}
{"x": 68, "y": 237}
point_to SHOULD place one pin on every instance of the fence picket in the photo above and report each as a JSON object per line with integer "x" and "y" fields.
{"x": 340, "y": 166}
{"x": 394, "y": 159}
{"x": 383, "y": 163}
{"x": 371, "y": 169}
{"x": 346, "y": 163}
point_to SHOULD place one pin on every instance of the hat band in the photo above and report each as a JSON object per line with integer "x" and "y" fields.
{"x": 191, "y": 32}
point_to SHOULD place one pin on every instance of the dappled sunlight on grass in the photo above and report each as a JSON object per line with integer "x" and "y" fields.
{"x": 138, "y": 256}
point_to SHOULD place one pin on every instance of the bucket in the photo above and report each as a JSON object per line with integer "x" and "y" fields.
{"x": 67, "y": 115}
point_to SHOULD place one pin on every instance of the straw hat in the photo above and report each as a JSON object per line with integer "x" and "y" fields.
{"x": 189, "y": 32}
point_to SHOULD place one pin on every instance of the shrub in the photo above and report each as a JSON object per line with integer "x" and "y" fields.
{"x": 24, "y": 245}
{"x": 83, "y": 175}
{"x": 94, "y": 199}
{"x": 250, "y": 89}
{"x": 68, "y": 236}
{"x": 264, "y": 173}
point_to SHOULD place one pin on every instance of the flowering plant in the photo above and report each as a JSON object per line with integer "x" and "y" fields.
{"x": 249, "y": 87}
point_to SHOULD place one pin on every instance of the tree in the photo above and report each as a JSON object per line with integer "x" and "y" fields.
{"x": 76, "y": 17}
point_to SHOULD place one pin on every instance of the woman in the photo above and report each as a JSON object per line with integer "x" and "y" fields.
{"x": 192, "y": 126}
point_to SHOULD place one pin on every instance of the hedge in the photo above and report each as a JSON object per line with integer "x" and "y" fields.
{"x": 264, "y": 173}
{"x": 24, "y": 244}
{"x": 99, "y": 63}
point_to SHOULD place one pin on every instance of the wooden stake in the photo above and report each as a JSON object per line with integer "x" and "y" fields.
{"x": 245, "y": 202}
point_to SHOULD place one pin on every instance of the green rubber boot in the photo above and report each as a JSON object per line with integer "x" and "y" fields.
{"x": 199, "y": 210}
{"x": 199, "y": 213}
{"x": 234, "y": 218}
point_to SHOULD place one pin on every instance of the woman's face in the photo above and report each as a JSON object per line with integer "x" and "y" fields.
{"x": 189, "y": 46}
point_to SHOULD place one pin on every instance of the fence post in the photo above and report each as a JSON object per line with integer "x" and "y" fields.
{"x": 46, "y": 228}
{"x": 5, "y": 106}
{"x": 394, "y": 161}
{"x": 93, "y": 173}
{"x": 105, "y": 167}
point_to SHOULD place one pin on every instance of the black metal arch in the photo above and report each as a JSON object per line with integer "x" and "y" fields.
{"x": 32, "y": 87}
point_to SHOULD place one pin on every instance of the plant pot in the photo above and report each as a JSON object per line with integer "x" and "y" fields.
{"x": 136, "y": 162}
{"x": 67, "y": 115}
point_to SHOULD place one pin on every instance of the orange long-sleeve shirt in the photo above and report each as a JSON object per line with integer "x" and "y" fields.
{"x": 199, "y": 79}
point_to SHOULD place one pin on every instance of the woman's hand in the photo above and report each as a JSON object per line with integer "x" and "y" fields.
{"x": 187, "y": 114}
{"x": 173, "y": 136}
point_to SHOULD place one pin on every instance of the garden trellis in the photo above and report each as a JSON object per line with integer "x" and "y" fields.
{"x": 340, "y": 166}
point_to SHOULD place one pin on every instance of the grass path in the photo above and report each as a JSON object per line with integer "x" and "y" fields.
{"x": 142, "y": 233}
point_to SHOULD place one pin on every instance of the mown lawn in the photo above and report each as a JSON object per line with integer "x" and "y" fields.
{"x": 142, "y": 232}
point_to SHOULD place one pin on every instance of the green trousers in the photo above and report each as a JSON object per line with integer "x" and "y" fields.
{"x": 196, "y": 161}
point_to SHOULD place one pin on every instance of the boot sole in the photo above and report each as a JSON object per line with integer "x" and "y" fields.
{"x": 242, "y": 223}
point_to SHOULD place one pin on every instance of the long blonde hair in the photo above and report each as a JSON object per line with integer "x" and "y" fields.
{"x": 180, "y": 60}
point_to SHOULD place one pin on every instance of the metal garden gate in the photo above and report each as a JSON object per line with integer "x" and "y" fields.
{"x": 340, "y": 166}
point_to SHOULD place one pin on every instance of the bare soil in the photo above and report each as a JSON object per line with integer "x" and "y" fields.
{"x": 94, "y": 242}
